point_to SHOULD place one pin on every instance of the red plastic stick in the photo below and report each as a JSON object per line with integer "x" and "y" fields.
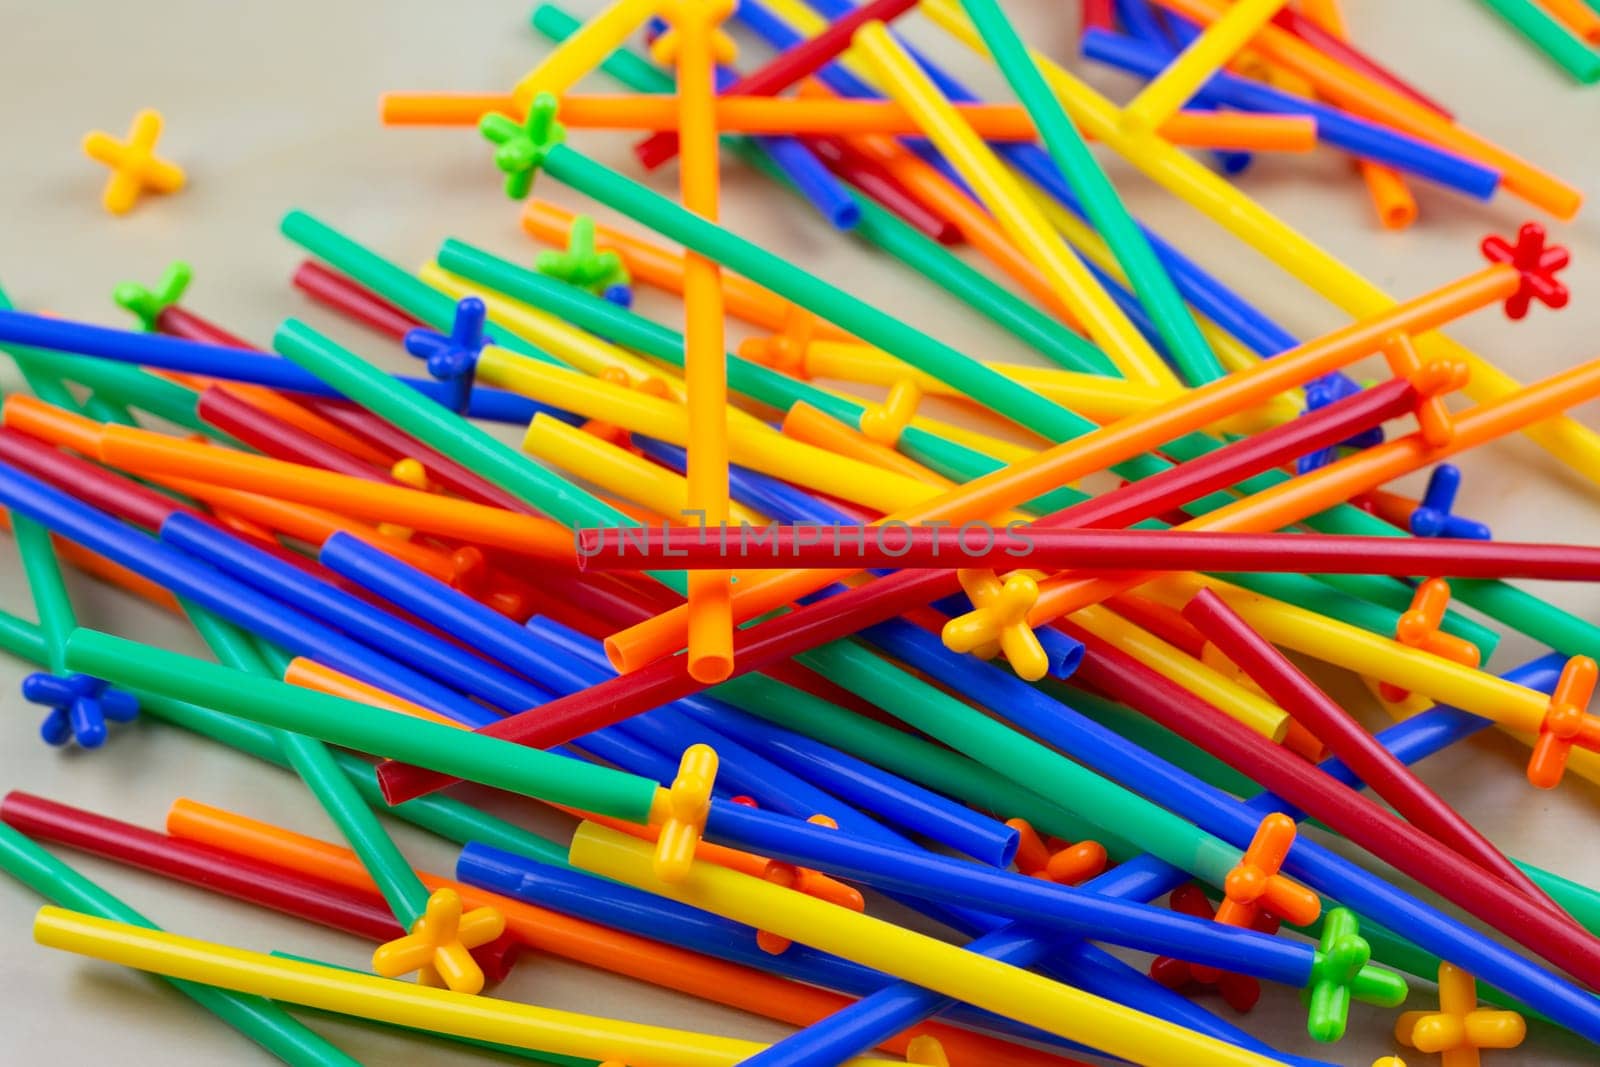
{"x": 983, "y": 545}
{"x": 1365, "y": 823}
{"x": 667, "y": 679}
{"x": 1097, "y": 15}
{"x": 875, "y": 182}
{"x": 353, "y": 300}
{"x": 1345, "y": 738}
{"x": 92, "y": 484}
{"x": 176, "y": 321}
{"x": 1342, "y": 51}
{"x": 271, "y": 436}
{"x": 227, "y": 873}
{"x": 785, "y": 69}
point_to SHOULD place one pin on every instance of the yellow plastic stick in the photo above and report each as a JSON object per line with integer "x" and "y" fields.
{"x": 385, "y": 1000}
{"x": 1564, "y": 437}
{"x": 762, "y": 449}
{"x": 576, "y": 347}
{"x": 584, "y": 50}
{"x": 966, "y": 976}
{"x": 1242, "y": 704}
{"x": 1011, "y": 206}
{"x": 618, "y": 471}
{"x": 1206, "y": 54}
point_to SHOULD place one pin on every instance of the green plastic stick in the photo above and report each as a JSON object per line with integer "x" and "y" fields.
{"x": 158, "y": 396}
{"x": 260, "y": 1020}
{"x": 47, "y": 585}
{"x": 404, "y": 892}
{"x": 1193, "y": 356}
{"x": 463, "y": 754}
{"x": 390, "y": 282}
{"x": 1550, "y": 37}
{"x": 46, "y": 384}
{"x": 23, "y": 639}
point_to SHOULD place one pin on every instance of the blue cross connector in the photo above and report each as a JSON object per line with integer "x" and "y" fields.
{"x": 1432, "y": 517}
{"x": 80, "y": 706}
{"x": 453, "y": 358}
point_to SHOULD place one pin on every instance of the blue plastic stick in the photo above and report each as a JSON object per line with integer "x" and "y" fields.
{"x": 235, "y": 602}
{"x": 1334, "y": 127}
{"x": 234, "y": 364}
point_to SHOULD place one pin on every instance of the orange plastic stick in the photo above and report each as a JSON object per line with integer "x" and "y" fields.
{"x": 693, "y": 38}
{"x": 34, "y": 417}
{"x": 792, "y": 115}
{"x": 597, "y": 946}
{"x": 279, "y": 406}
{"x": 143, "y": 452}
{"x": 983, "y": 497}
{"x": 1308, "y": 494}
{"x": 1391, "y": 196}
{"x": 1577, "y": 16}
{"x": 815, "y": 427}
{"x": 1363, "y": 96}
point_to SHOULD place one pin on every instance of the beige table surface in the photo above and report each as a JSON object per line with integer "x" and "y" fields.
{"x": 273, "y": 106}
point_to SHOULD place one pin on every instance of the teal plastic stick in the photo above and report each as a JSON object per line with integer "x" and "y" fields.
{"x": 397, "y": 286}
{"x": 256, "y": 1018}
{"x": 1550, "y": 37}
{"x": 526, "y": 771}
{"x": 404, "y": 892}
{"x": 1193, "y": 356}
{"x": 48, "y": 587}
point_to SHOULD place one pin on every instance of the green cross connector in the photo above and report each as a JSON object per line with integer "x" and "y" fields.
{"x": 1340, "y": 972}
{"x": 147, "y": 304}
{"x": 521, "y": 147}
{"x": 581, "y": 265}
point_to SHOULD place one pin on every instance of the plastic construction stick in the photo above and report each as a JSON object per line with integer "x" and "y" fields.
{"x": 583, "y": 51}
{"x": 1542, "y": 929}
{"x": 1321, "y": 25}
{"x": 1016, "y": 213}
{"x": 974, "y": 979}
{"x": 384, "y": 1000}
{"x": 1204, "y": 56}
{"x": 1362, "y": 138}
{"x": 334, "y": 290}
{"x": 1189, "y": 349}
{"x": 705, "y": 377}
{"x": 1018, "y": 545}
{"x": 1550, "y": 36}
{"x": 1579, "y": 16}
{"x": 144, "y": 452}
{"x": 258, "y": 1019}
{"x": 1367, "y": 757}
{"x": 1110, "y": 445}
{"x": 786, "y": 68}
{"x": 341, "y": 722}
{"x": 51, "y": 602}
{"x": 874, "y": 183}
{"x": 270, "y": 435}
{"x": 825, "y": 620}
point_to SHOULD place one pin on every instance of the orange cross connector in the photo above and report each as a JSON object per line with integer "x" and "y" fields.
{"x": 439, "y": 946}
{"x": 1419, "y": 628}
{"x": 787, "y": 349}
{"x": 998, "y": 622}
{"x": 1459, "y": 1028}
{"x": 1567, "y": 723}
{"x": 664, "y": 49}
{"x": 649, "y": 386}
{"x": 1431, "y": 381}
{"x": 681, "y": 812}
{"x": 1255, "y": 886}
{"x": 1056, "y": 861}
{"x": 809, "y": 882}
{"x": 134, "y": 165}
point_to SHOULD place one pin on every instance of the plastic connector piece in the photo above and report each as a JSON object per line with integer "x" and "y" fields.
{"x": 1420, "y": 628}
{"x": 664, "y": 46}
{"x": 1320, "y": 392}
{"x": 453, "y": 358}
{"x": 884, "y": 423}
{"x": 1339, "y": 973}
{"x": 439, "y": 946}
{"x": 1239, "y": 991}
{"x": 80, "y": 707}
{"x": 148, "y": 304}
{"x": 581, "y": 264}
{"x": 787, "y": 349}
{"x": 1056, "y": 861}
{"x": 998, "y": 622}
{"x": 1537, "y": 262}
{"x": 1459, "y": 1028}
{"x": 135, "y": 167}
{"x": 521, "y": 147}
{"x": 1255, "y": 887}
{"x": 1432, "y": 516}
{"x": 681, "y": 812}
{"x": 1567, "y": 723}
